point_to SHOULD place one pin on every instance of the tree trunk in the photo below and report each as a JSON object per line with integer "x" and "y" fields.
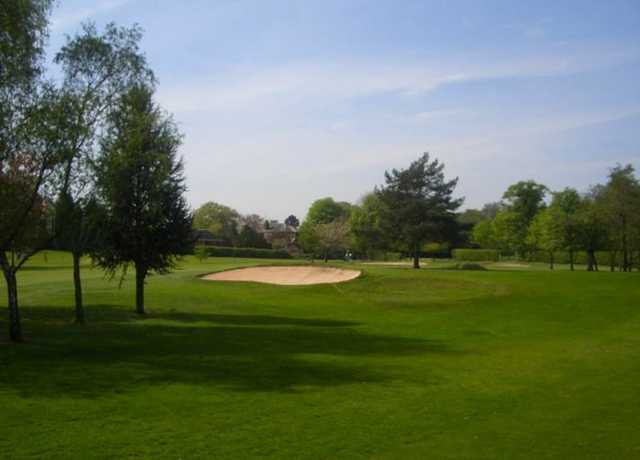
{"x": 416, "y": 259}
{"x": 141, "y": 273}
{"x": 15, "y": 326}
{"x": 326, "y": 256}
{"x": 591, "y": 260}
{"x": 551, "y": 261}
{"x": 571, "y": 259}
{"x": 612, "y": 256}
{"x": 77, "y": 285}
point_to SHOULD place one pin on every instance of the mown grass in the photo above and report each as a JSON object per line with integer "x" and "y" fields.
{"x": 445, "y": 364}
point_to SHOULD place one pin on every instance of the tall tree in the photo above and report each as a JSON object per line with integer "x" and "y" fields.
{"x": 366, "y": 227}
{"x": 419, "y": 205}
{"x": 322, "y": 211}
{"x": 524, "y": 199}
{"x": 141, "y": 184}
{"x": 620, "y": 201}
{"x": 98, "y": 68}
{"x": 30, "y": 111}
{"x": 546, "y": 234}
{"x": 565, "y": 206}
{"x": 79, "y": 230}
{"x": 592, "y": 229}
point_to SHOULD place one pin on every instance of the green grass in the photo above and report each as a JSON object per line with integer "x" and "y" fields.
{"x": 444, "y": 364}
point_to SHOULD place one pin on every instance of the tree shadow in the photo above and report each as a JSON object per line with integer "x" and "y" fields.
{"x": 242, "y": 353}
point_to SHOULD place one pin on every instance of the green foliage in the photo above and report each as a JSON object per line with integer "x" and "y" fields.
{"x": 250, "y": 253}
{"x": 201, "y": 252}
{"x": 418, "y": 205}
{"x": 23, "y": 35}
{"x": 525, "y": 198}
{"x": 471, "y": 267}
{"x": 483, "y": 234}
{"x": 220, "y": 220}
{"x": 250, "y": 238}
{"x": 522, "y": 200}
{"x": 141, "y": 184}
{"x": 479, "y": 255}
{"x": 322, "y": 211}
{"x": 368, "y": 236}
{"x": 620, "y": 206}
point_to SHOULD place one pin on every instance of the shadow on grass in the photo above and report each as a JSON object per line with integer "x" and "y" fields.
{"x": 120, "y": 353}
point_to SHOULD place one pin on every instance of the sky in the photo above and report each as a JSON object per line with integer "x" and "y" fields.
{"x": 285, "y": 102}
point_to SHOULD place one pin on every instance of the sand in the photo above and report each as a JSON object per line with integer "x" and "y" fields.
{"x": 288, "y": 276}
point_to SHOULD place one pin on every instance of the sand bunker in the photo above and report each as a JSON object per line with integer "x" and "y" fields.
{"x": 289, "y": 276}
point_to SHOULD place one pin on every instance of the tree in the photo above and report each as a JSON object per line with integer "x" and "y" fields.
{"x": 140, "y": 181}
{"x": 79, "y": 230}
{"x": 30, "y": 114}
{"x": 483, "y": 234}
{"x": 322, "y": 211}
{"x": 254, "y": 221}
{"x": 292, "y": 221}
{"x": 220, "y": 220}
{"x": 366, "y": 227}
{"x": 97, "y": 70}
{"x": 332, "y": 236}
{"x": 507, "y": 231}
{"x": 545, "y": 234}
{"x": 524, "y": 199}
{"x": 250, "y": 238}
{"x": 418, "y": 205}
{"x": 565, "y": 206}
{"x": 592, "y": 229}
{"x": 620, "y": 202}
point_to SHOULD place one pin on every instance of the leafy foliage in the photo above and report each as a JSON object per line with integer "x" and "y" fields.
{"x": 418, "y": 205}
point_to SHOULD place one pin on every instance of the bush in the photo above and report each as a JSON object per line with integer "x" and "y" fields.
{"x": 251, "y": 253}
{"x": 468, "y": 266}
{"x": 476, "y": 255}
{"x": 201, "y": 252}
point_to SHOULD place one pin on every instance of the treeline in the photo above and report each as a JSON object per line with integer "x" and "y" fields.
{"x": 599, "y": 226}
{"x": 415, "y": 214}
{"x": 88, "y": 164}
{"x": 229, "y": 228}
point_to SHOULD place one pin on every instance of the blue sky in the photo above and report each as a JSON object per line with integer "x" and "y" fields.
{"x": 284, "y": 102}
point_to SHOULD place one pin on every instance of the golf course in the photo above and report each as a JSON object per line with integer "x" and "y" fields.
{"x": 510, "y": 362}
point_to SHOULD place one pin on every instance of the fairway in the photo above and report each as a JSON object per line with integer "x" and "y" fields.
{"x": 398, "y": 363}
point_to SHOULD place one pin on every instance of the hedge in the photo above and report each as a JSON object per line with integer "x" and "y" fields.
{"x": 476, "y": 255}
{"x": 251, "y": 253}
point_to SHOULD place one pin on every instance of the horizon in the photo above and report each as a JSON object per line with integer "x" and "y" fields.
{"x": 501, "y": 94}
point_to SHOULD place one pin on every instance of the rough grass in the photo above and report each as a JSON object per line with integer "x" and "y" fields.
{"x": 399, "y": 363}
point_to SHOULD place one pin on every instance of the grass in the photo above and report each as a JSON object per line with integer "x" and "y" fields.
{"x": 447, "y": 364}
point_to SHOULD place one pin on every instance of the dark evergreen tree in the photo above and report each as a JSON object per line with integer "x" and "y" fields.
{"x": 140, "y": 182}
{"x": 292, "y": 221}
{"x": 418, "y": 205}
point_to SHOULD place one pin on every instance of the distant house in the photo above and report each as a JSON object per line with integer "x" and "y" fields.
{"x": 206, "y": 238}
{"x": 281, "y": 235}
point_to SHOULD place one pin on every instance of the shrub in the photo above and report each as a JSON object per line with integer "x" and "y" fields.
{"x": 476, "y": 255}
{"x": 251, "y": 253}
{"x": 201, "y": 252}
{"x": 468, "y": 266}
